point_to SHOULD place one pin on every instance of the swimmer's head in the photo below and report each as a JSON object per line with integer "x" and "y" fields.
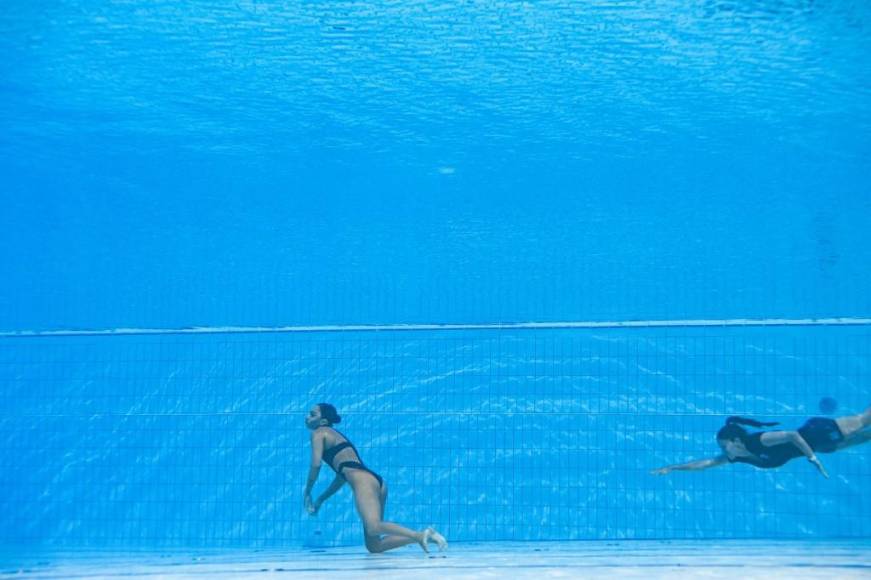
{"x": 329, "y": 413}
{"x": 322, "y": 414}
{"x": 732, "y": 435}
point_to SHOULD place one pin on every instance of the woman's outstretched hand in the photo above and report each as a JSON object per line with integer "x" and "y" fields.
{"x": 660, "y": 471}
{"x": 310, "y": 506}
{"x": 813, "y": 459}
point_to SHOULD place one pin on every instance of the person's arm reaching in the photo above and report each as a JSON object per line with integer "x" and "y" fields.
{"x": 335, "y": 486}
{"x": 697, "y": 465}
{"x": 780, "y": 437}
{"x": 317, "y": 442}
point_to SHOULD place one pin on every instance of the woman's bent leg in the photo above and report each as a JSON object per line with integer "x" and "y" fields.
{"x": 370, "y": 500}
{"x": 853, "y": 424}
{"x": 855, "y": 439}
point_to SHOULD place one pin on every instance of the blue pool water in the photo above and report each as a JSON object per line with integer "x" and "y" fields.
{"x": 269, "y": 164}
{"x": 338, "y": 162}
{"x": 198, "y": 441}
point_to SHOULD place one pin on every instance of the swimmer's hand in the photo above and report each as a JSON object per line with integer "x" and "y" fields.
{"x": 813, "y": 459}
{"x": 661, "y": 471}
{"x": 310, "y": 506}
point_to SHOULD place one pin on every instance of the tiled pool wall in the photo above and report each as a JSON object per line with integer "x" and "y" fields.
{"x": 125, "y": 441}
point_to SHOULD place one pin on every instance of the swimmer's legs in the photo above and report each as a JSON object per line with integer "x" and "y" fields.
{"x": 378, "y": 544}
{"x": 371, "y": 500}
{"x": 853, "y": 424}
{"x": 855, "y": 439}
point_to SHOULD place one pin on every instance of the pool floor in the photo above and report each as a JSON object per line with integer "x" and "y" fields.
{"x": 596, "y": 559}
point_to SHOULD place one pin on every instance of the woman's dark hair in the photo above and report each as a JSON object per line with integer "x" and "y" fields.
{"x": 329, "y": 413}
{"x": 733, "y": 429}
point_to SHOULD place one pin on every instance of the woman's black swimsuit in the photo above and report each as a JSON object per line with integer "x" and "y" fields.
{"x": 822, "y": 434}
{"x": 330, "y": 455}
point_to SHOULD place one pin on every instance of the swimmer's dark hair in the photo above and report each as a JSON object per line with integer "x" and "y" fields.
{"x": 733, "y": 429}
{"x": 329, "y": 413}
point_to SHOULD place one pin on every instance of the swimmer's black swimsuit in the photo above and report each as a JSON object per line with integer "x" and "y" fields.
{"x": 822, "y": 434}
{"x": 330, "y": 455}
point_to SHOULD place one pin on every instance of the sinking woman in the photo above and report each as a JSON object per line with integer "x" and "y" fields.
{"x": 370, "y": 491}
{"x": 770, "y": 449}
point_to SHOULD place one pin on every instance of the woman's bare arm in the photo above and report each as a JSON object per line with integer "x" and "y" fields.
{"x": 317, "y": 441}
{"x": 697, "y": 465}
{"x": 335, "y": 486}
{"x": 772, "y": 438}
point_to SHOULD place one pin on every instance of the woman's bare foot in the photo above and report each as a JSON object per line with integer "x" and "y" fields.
{"x": 431, "y": 534}
{"x": 423, "y": 540}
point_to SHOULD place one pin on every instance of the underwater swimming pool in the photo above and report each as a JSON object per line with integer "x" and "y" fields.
{"x": 198, "y": 440}
{"x": 531, "y": 251}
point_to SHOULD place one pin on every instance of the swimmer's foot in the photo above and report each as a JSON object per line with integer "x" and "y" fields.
{"x": 424, "y": 540}
{"x": 430, "y": 534}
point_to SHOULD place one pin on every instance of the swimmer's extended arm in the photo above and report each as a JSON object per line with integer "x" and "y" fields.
{"x": 317, "y": 441}
{"x": 780, "y": 437}
{"x": 337, "y": 484}
{"x": 697, "y": 465}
